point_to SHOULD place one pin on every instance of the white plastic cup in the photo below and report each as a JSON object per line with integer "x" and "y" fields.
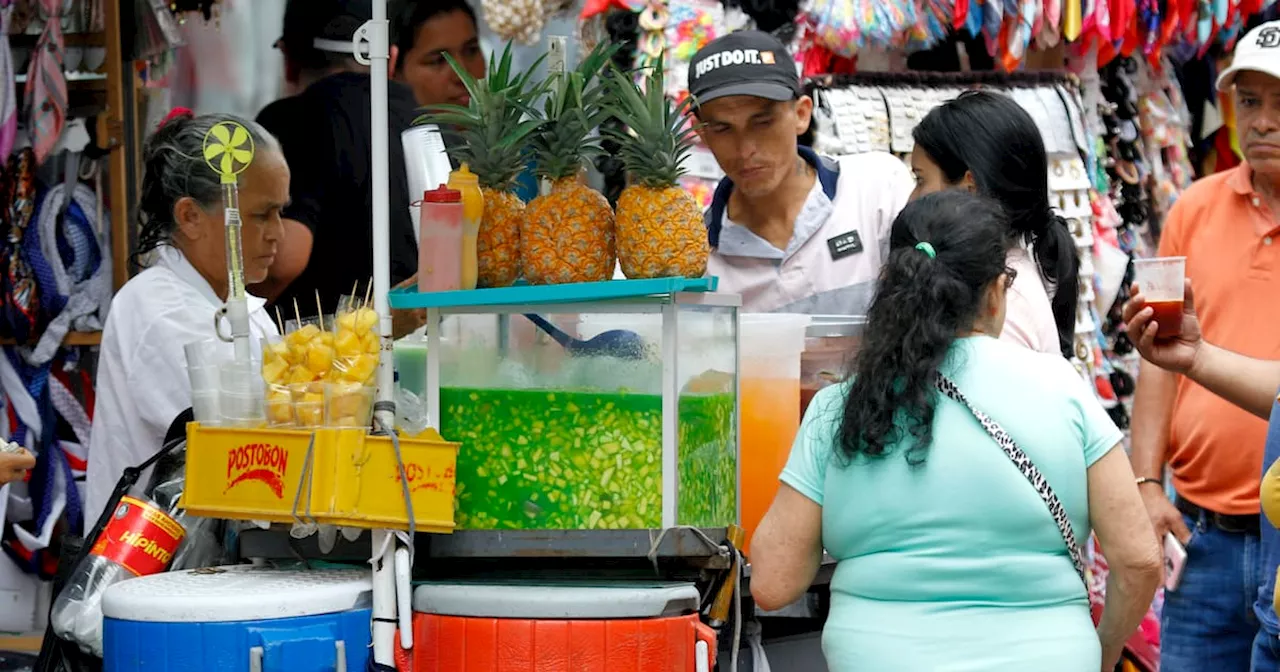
{"x": 1162, "y": 282}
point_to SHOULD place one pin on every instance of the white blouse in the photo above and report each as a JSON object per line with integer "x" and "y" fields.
{"x": 142, "y": 372}
{"x": 1028, "y": 319}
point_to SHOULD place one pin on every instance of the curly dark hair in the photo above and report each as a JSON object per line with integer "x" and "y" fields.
{"x": 922, "y": 305}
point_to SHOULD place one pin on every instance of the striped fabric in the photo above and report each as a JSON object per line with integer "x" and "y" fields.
{"x": 46, "y": 92}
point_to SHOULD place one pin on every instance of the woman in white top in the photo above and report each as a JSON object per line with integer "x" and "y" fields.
{"x": 142, "y": 382}
{"x": 985, "y": 142}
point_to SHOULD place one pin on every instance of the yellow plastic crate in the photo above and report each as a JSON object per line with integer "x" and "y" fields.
{"x": 353, "y": 479}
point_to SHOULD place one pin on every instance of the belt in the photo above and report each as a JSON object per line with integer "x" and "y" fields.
{"x": 1240, "y": 524}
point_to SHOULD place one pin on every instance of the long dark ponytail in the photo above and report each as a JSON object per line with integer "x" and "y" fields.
{"x": 991, "y": 137}
{"x": 923, "y": 303}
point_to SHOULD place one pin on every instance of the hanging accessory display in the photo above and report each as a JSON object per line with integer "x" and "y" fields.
{"x": 515, "y": 20}
{"x": 228, "y": 149}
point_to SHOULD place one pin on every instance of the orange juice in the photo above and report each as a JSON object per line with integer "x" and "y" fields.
{"x": 770, "y": 417}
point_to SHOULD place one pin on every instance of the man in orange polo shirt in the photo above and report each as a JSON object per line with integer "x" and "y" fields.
{"x": 1226, "y": 226}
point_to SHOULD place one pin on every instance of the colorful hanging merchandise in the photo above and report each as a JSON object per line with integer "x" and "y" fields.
{"x": 46, "y": 92}
{"x": 515, "y": 20}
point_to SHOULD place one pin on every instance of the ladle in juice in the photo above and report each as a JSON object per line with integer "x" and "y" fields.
{"x": 618, "y": 343}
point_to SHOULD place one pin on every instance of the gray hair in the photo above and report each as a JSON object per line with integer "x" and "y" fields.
{"x": 174, "y": 168}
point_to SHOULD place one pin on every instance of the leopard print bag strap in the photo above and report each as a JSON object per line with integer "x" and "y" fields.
{"x": 1028, "y": 469}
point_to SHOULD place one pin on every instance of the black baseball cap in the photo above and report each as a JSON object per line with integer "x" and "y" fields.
{"x": 328, "y": 21}
{"x": 744, "y": 63}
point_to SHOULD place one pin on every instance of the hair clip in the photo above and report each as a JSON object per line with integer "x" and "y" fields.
{"x": 927, "y": 249}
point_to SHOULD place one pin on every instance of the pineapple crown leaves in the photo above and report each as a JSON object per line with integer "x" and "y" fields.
{"x": 659, "y": 136}
{"x": 493, "y": 129}
{"x": 572, "y": 112}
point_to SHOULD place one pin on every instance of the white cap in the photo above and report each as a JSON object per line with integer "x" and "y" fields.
{"x": 1259, "y": 51}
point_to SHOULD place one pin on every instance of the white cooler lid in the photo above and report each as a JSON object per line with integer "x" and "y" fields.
{"x": 556, "y": 600}
{"x": 237, "y": 593}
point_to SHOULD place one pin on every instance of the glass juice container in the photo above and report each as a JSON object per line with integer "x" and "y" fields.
{"x": 772, "y": 344}
{"x": 577, "y": 442}
{"x": 830, "y": 343}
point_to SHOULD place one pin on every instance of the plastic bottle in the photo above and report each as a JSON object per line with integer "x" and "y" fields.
{"x": 440, "y": 246}
{"x": 465, "y": 181}
{"x": 139, "y": 540}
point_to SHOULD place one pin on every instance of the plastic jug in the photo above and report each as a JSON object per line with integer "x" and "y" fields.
{"x": 465, "y": 181}
{"x": 771, "y": 346}
{"x": 440, "y": 246}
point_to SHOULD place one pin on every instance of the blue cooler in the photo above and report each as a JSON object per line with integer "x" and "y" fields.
{"x": 238, "y": 618}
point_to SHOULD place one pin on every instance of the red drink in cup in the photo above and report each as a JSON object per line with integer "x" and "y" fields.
{"x": 1162, "y": 282}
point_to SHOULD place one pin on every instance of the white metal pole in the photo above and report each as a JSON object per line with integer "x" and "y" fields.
{"x": 384, "y": 591}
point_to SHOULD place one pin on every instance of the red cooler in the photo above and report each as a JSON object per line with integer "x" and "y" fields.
{"x": 558, "y": 627}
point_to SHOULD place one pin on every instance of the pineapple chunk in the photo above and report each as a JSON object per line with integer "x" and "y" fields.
{"x": 347, "y": 344}
{"x": 319, "y": 358}
{"x": 274, "y": 371}
{"x": 347, "y": 322}
{"x": 372, "y": 343}
{"x": 366, "y": 320}
{"x": 361, "y": 369}
{"x": 301, "y": 374}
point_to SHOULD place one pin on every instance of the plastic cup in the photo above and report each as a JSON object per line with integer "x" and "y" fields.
{"x": 1162, "y": 281}
{"x": 203, "y": 360}
{"x": 308, "y": 404}
{"x": 348, "y": 405}
{"x": 279, "y": 407}
{"x": 204, "y": 404}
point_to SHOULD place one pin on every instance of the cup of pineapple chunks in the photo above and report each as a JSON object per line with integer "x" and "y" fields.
{"x": 348, "y": 404}
{"x": 308, "y": 404}
{"x": 357, "y": 346}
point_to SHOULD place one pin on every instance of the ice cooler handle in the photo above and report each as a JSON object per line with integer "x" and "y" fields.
{"x": 339, "y": 665}
{"x": 704, "y": 647}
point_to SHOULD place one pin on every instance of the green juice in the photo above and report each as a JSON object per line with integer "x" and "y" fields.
{"x": 542, "y": 459}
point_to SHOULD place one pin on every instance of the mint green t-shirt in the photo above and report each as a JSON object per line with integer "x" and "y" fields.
{"x": 956, "y": 564}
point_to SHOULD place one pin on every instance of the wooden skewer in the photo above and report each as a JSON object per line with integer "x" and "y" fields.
{"x": 279, "y": 322}
{"x": 297, "y": 313}
{"x": 367, "y": 291}
{"x": 319, "y": 310}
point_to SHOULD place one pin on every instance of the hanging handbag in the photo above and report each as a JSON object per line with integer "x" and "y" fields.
{"x": 1028, "y": 469}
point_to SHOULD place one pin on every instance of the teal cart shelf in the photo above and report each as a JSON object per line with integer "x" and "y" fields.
{"x": 534, "y": 295}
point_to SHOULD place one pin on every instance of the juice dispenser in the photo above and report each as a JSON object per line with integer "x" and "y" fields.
{"x": 772, "y": 344}
{"x": 830, "y": 343}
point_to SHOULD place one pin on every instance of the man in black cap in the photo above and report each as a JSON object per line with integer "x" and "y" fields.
{"x": 324, "y": 132}
{"x": 789, "y": 230}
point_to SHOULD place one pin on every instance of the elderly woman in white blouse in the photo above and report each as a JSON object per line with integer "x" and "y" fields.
{"x": 142, "y": 381}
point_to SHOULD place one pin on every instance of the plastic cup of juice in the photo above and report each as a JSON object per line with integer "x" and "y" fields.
{"x": 1162, "y": 282}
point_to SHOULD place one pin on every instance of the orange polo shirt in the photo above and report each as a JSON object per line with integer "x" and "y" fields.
{"x": 1232, "y": 244}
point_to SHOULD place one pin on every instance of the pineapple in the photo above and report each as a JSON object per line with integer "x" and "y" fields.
{"x": 660, "y": 231}
{"x": 567, "y": 235}
{"x": 493, "y": 130}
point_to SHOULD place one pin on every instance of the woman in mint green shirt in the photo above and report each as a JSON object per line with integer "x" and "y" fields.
{"x": 947, "y": 556}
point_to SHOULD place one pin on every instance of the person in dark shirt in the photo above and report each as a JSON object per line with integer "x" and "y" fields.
{"x": 324, "y": 132}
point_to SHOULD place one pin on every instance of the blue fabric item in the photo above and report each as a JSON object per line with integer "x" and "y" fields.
{"x": 304, "y": 644}
{"x": 828, "y": 174}
{"x": 51, "y": 302}
{"x": 1207, "y": 623}
{"x": 1266, "y": 652}
{"x": 1270, "y": 539}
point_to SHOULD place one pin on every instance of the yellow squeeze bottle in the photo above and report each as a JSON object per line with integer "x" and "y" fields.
{"x": 465, "y": 181}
